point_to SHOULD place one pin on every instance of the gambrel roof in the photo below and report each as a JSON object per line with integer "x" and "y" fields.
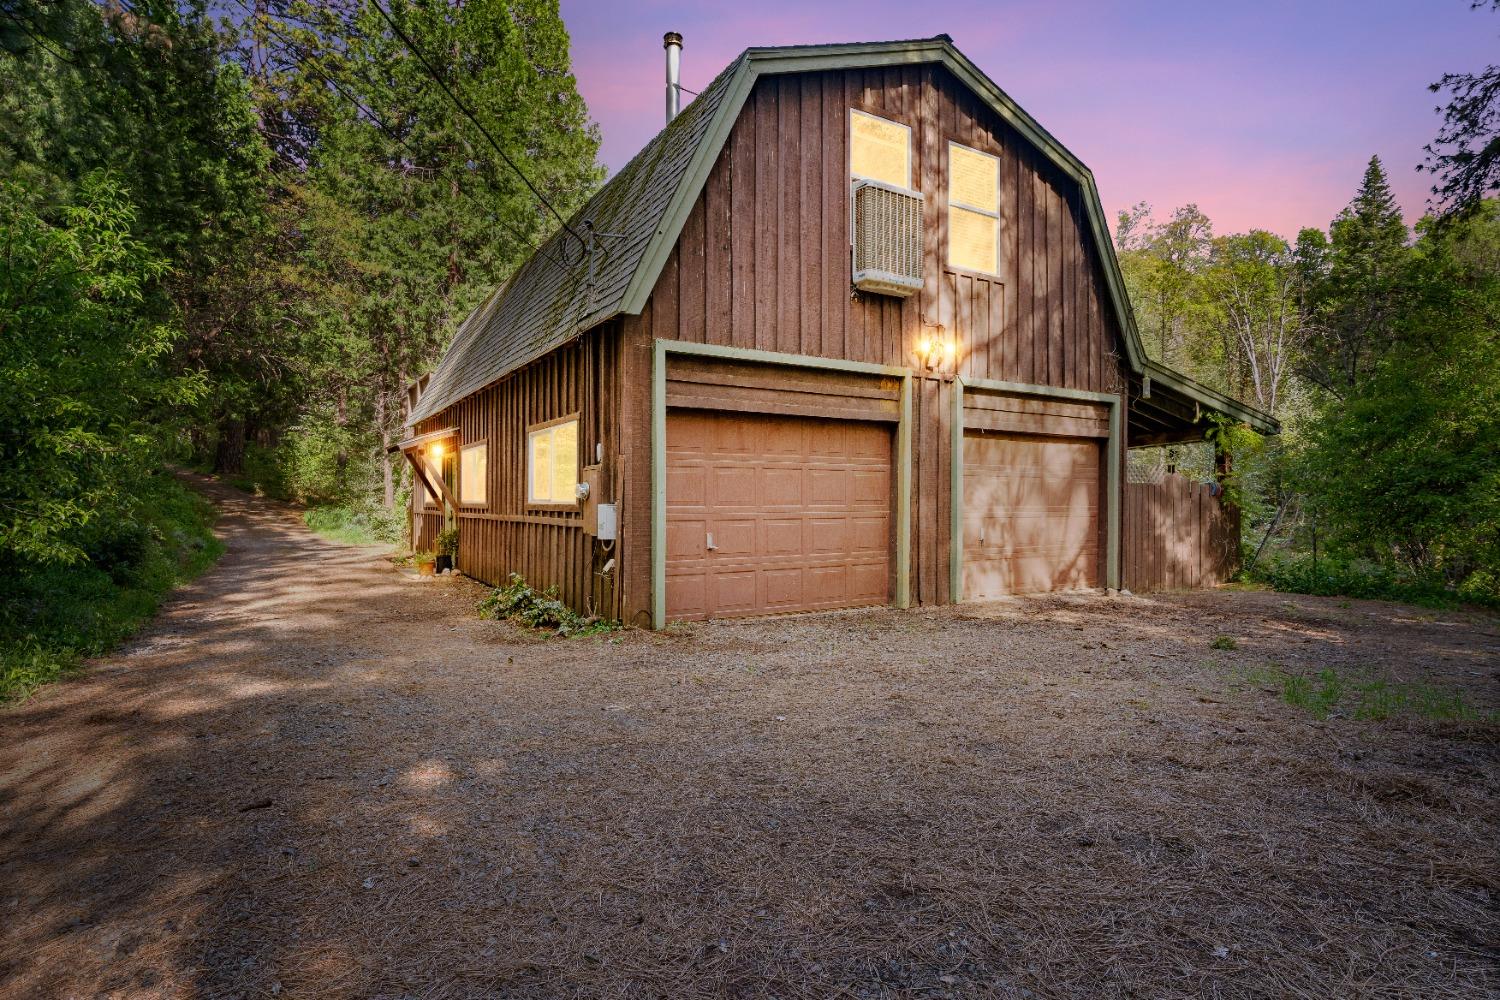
{"x": 635, "y": 219}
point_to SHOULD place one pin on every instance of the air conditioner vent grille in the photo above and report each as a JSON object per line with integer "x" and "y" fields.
{"x": 887, "y": 239}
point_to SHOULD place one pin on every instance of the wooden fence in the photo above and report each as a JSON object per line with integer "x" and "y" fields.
{"x": 1178, "y": 536}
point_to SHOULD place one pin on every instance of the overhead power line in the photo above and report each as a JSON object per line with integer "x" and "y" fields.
{"x": 437, "y": 78}
{"x": 390, "y": 133}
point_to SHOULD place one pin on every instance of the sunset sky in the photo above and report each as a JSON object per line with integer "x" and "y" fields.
{"x": 1263, "y": 113}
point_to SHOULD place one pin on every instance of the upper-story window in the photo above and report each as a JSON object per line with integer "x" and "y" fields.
{"x": 973, "y": 209}
{"x": 879, "y": 150}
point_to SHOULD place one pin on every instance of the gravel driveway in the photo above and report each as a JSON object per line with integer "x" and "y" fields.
{"x": 316, "y": 776}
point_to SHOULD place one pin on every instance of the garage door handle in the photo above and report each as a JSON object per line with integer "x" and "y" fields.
{"x": 711, "y": 546}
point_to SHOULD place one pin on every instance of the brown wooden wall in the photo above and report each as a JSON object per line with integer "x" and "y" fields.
{"x": 547, "y": 547}
{"x": 1177, "y": 535}
{"x": 763, "y": 262}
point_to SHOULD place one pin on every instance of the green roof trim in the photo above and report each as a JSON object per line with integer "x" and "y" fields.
{"x": 648, "y": 202}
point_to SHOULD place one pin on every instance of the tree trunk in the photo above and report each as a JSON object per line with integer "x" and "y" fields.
{"x": 229, "y": 454}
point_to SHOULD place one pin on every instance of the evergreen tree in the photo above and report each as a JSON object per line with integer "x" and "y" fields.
{"x": 1354, "y": 285}
{"x": 1465, "y": 155}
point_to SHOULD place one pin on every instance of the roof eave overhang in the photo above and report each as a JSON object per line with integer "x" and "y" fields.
{"x": 1210, "y": 399}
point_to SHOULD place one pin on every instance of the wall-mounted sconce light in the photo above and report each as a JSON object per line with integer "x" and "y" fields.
{"x": 938, "y": 349}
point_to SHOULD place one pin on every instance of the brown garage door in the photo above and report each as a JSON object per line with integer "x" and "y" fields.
{"x": 768, "y": 514}
{"x": 1031, "y": 514}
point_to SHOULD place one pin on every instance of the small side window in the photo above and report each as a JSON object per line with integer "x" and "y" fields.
{"x": 473, "y": 473}
{"x": 552, "y": 463}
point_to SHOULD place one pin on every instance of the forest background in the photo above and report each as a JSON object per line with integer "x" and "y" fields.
{"x": 231, "y": 238}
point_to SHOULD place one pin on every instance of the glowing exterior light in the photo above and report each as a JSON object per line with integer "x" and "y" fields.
{"x": 437, "y": 450}
{"x": 932, "y": 350}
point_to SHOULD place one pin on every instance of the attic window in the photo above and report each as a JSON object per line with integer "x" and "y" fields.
{"x": 973, "y": 209}
{"x": 879, "y": 150}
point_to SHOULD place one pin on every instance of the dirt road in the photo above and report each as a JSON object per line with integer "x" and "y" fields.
{"x": 316, "y": 777}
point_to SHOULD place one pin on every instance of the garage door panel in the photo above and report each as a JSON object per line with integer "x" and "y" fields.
{"x": 812, "y": 531}
{"x": 826, "y": 534}
{"x": 732, "y": 486}
{"x": 689, "y": 484}
{"x": 731, "y": 592}
{"x": 870, "y": 487}
{"x": 688, "y": 593}
{"x": 869, "y": 534}
{"x": 686, "y": 538}
{"x": 781, "y": 536}
{"x": 868, "y": 582}
{"x": 826, "y": 585}
{"x": 1031, "y": 514}
{"x": 733, "y": 537}
{"x": 827, "y": 486}
{"x": 783, "y": 588}
{"x": 779, "y": 487}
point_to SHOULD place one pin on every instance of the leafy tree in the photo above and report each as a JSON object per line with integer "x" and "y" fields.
{"x": 1163, "y": 263}
{"x": 1405, "y": 466}
{"x": 145, "y": 93}
{"x": 407, "y": 216}
{"x": 80, "y": 366}
{"x": 1253, "y": 282}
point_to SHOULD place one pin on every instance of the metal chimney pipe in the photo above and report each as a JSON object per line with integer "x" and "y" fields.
{"x": 672, "y": 42}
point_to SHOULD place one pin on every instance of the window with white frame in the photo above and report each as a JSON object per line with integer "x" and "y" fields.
{"x": 879, "y": 150}
{"x": 552, "y": 462}
{"x": 973, "y": 209}
{"x": 473, "y": 473}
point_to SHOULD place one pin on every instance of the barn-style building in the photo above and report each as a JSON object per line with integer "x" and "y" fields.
{"x": 849, "y": 331}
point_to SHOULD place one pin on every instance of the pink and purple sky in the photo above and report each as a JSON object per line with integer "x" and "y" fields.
{"x": 1264, "y": 113}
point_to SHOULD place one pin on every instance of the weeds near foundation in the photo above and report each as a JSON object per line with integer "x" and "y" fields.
{"x": 523, "y": 604}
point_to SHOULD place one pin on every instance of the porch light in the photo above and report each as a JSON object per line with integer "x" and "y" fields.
{"x": 437, "y": 451}
{"x": 935, "y": 349}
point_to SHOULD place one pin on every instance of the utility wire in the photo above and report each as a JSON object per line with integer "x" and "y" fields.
{"x": 391, "y": 134}
{"x": 437, "y": 78}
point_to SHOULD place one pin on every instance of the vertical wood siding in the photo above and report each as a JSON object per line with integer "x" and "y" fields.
{"x": 1178, "y": 536}
{"x": 763, "y": 262}
{"x": 504, "y": 535}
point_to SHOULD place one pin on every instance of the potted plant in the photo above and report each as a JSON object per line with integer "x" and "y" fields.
{"x": 447, "y": 548}
{"x": 424, "y": 563}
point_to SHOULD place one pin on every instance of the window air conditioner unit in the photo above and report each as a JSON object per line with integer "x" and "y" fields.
{"x": 887, "y": 239}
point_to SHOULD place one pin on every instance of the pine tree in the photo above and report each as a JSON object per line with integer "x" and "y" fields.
{"x": 1353, "y": 302}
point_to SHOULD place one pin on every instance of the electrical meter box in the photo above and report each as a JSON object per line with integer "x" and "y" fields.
{"x": 588, "y": 492}
{"x": 608, "y": 527}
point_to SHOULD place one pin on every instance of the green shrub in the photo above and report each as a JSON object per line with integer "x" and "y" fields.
{"x": 1225, "y": 642}
{"x": 52, "y": 616}
{"x": 517, "y": 601}
{"x": 1332, "y": 577}
{"x": 356, "y": 523}
{"x": 447, "y": 542}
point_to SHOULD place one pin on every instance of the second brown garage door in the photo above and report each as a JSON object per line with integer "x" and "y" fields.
{"x": 770, "y": 514}
{"x": 1031, "y": 514}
